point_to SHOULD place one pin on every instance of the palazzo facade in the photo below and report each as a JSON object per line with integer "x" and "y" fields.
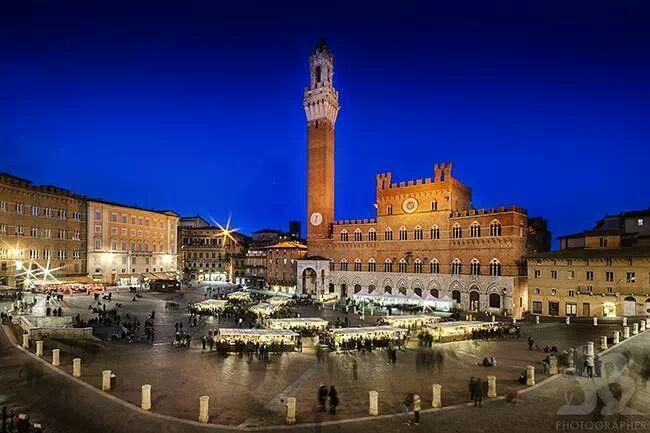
{"x": 426, "y": 236}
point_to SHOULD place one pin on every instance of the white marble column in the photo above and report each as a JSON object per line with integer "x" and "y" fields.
{"x": 291, "y": 410}
{"x": 204, "y": 415}
{"x": 373, "y": 408}
{"x": 492, "y": 386}
{"x": 530, "y": 375}
{"x": 146, "y": 397}
{"x": 76, "y": 367}
{"x": 436, "y": 401}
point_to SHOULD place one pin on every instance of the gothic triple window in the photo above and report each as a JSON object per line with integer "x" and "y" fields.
{"x": 456, "y": 267}
{"x": 344, "y": 236}
{"x": 495, "y": 268}
{"x": 388, "y": 234}
{"x": 475, "y": 267}
{"x": 372, "y": 235}
{"x": 475, "y": 230}
{"x": 358, "y": 236}
{"x": 457, "y": 231}
{"x": 434, "y": 266}
{"x": 417, "y": 266}
{"x": 403, "y": 266}
{"x": 357, "y": 265}
{"x": 403, "y": 234}
{"x": 417, "y": 233}
{"x": 495, "y": 228}
{"x": 435, "y": 232}
{"x": 388, "y": 266}
{"x": 372, "y": 265}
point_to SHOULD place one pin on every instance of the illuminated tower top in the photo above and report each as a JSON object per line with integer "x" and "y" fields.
{"x": 321, "y": 98}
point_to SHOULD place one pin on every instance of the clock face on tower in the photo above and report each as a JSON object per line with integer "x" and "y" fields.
{"x": 316, "y": 219}
{"x": 410, "y": 205}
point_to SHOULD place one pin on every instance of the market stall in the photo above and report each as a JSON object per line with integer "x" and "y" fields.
{"x": 303, "y": 325}
{"x": 370, "y": 336}
{"x": 455, "y": 331}
{"x": 264, "y": 310}
{"x": 209, "y": 306}
{"x": 412, "y": 321}
{"x": 239, "y": 296}
{"x": 238, "y": 339}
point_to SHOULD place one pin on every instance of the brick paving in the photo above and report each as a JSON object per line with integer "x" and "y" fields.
{"x": 249, "y": 393}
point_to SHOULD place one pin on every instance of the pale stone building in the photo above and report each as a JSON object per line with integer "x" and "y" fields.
{"x": 602, "y": 272}
{"x": 128, "y": 244}
{"x": 42, "y": 233}
{"x": 206, "y": 253}
{"x": 426, "y": 237}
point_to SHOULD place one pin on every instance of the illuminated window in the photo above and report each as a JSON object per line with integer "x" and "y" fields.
{"x": 475, "y": 230}
{"x": 388, "y": 234}
{"x": 457, "y": 231}
{"x": 495, "y": 228}
{"x": 475, "y": 267}
{"x": 495, "y": 268}
{"x": 372, "y": 235}
{"x": 456, "y": 267}
{"x": 435, "y": 232}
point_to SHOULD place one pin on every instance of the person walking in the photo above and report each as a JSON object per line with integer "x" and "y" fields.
{"x": 417, "y": 406}
{"x": 472, "y": 388}
{"x": 531, "y": 343}
{"x": 478, "y": 393}
{"x": 322, "y": 396}
{"x": 355, "y": 370}
{"x": 334, "y": 400}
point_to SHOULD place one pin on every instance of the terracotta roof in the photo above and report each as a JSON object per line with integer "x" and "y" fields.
{"x": 288, "y": 244}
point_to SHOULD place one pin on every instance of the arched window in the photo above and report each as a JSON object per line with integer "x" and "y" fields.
{"x": 372, "y": 265}
{"x": 388, "y": 289}
{"x": 434, "y": 205}
{"x": 317, "y": 74}
{"x": 388, "y": 234}
{"x": 456, "y": 267}
{"x": 371, "y": 288}
{"x": 495, "y": 300}
{"x": 455, "y": 295}
{"x": 358, "y": 236}
{"x": 403, "y": 266}
{"x": 475, "y": 267}
{"x": 434, "y": 266}
{"x": 357, "y": 265}
{"x": 495, "y": 268}
{"x": 357, "y": 288}
{"x": 456, "y": 231}
{"x": 388, "y": 266}
{"x": 403, "y": 234}
{"x": 417, "y": 266}
{"x": 435, "y": 232}
{"x": 331, "y": 265}
{"x": 495, "y": 228}
{"x": 389, "y": 209}
{"x": 435, "y": 293}
{"x": 417, "y": 233}
{"x": 344, "y": 235}
{"x": 418, "y": 291}
{"x": 475, "y": 230}
{"x": 344, "y": 264}
{"x": 372, "y": 235}
{"x": 402, "y": 290}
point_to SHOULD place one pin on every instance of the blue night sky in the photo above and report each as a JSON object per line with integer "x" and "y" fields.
{"x": 196, "y": 106}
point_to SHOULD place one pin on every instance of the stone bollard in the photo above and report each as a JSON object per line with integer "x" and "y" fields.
{"x": 204, "y": 415}
{"x": 373, "y": 408}
{"x": 590, "y": 348}
{"x": 514, "y": 320}
{"x": 603, "y": 342}
{"x": 492, "y": 386}
{"x": 617, "y": 337}
{"x": 494, "y": 318}
{"x": 537, "y": 320}
{"x": 25, "y": 341}
{"x": 76, "y": 367}
{"x": 642, "y": 326}
{"x": 146, "y": 397}
{"x": 635, "y": 328}
{"x": 291, "y": 410}
{"x": 624, "y": 321}
{"x": 56, "y": 357}
{"x": 626, "y": 332}
{"x": 568, "y": 320}
{"x": 39, "y": 348}
{"x": 595, "y": 321}
{"x": 552, "y": 365}
{"x": 106, "y": 380}
{"x": 436, "y": 401}
{"x": 530, "y": 375}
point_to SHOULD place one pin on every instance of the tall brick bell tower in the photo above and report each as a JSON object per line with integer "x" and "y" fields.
{"x": 321, "y": 108}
